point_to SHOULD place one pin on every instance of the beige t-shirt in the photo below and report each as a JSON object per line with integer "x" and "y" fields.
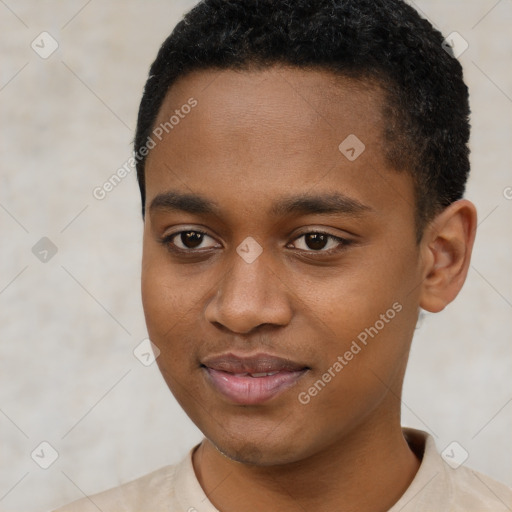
{"x": 436, "y": 487}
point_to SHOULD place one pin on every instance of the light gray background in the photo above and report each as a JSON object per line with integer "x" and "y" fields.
{"x": 69, "y": 326}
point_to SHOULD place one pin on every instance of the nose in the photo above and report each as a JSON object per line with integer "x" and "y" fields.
{"x": 249, "y": 295}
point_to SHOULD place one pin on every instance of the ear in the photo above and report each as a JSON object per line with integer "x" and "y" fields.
{"x": 446, "y": 246}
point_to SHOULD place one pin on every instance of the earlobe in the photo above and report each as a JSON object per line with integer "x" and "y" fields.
{"x": 447, "y": 246}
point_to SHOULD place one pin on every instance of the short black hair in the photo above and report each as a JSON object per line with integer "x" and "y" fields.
{"x": 384, "y": 41}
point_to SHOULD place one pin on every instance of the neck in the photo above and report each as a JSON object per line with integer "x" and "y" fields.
{"x": 367, "y": 470}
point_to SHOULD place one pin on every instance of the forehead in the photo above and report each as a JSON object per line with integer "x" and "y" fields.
{"x": 289, "y": 100}
{"x": 259, "y": 134}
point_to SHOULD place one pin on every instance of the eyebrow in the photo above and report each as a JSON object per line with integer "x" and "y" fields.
{"x": 303, "y": 204}
{"x": 333, "y": 203}
{"x": 178, "y": 201}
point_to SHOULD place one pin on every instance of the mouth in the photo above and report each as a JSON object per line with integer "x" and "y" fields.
{"x": 251, "y": 380}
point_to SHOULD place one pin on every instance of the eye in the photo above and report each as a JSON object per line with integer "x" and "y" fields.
{"x": 187, "y": 241}
{"x": 318, "y": 241}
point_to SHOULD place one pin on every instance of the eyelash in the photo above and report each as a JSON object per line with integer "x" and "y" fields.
{"x": 168, "y": 243}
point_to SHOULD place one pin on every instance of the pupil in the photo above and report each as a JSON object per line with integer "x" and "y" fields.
{"x": 316, "y": 240}
{"x": 191, "y": 239}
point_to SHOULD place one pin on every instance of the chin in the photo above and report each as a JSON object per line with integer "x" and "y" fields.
{"x": 257, "y": 452}
{"x": 253, "y": 455}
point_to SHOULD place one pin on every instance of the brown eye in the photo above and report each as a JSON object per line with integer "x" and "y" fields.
{"x": 316, "y": 241}
{"x": 323, "y": 243}
{"x": 191, "y": 239}
{"x": 188, "y": 241}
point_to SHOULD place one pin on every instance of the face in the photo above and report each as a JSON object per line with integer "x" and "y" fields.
{"x": 280, "y": 268}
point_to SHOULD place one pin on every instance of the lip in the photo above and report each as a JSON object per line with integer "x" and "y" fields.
{"x": 229, "y": 375}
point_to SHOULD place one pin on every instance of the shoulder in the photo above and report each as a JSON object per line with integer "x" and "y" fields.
{"x": 443, "y": 484}
{"x": 474, "y": 491}
{"x": 168, "y": 489}
{"x": 154, "y": 490}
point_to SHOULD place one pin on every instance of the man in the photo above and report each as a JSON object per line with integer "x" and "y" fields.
{"x": 302, "y": 168}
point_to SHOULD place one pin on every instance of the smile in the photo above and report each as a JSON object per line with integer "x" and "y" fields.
{"x": 251, "y": 380}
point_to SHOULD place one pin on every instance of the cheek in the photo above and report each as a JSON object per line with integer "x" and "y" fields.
{"x": 172, "y": 304}
{"x": 165, "y": 293}
{"x": 158, "y": 301}
{"x": 368, "y": 317}
{"x": 167, "y": 312}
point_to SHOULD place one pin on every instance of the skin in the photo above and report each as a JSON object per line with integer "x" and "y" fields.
{"x": 254, "y": 138}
